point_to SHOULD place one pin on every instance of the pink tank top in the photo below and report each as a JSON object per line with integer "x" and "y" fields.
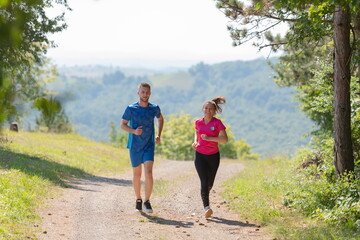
{"x": 211, "y": 129}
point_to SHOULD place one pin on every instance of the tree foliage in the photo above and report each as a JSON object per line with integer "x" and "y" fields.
{"x": 311, "y": 25}
{"x": 236, "y": 149}
{"x": 322, "y": 60}
{"x": 52, "y": 115}
{"x": 178, "y": 136}
{"x": 24, "y": 30}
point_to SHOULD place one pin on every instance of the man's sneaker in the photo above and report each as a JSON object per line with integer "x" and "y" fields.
{"x": 147, "y": 207}
{"x": 138, "y": 206}
{"x": 208, "y": 212}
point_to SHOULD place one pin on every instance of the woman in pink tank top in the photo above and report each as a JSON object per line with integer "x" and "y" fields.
{"x": 209, "y": 132}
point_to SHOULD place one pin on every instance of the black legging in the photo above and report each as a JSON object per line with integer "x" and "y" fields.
{"x": 206, "y": 167}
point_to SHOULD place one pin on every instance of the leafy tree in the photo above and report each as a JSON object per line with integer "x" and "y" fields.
{"x": 311, "y": 22}
{"x": 17, "y": 92}
{"x": 236, "y": 149}
{"x": 52, "y": 115}
{"x": 178, "y": 136}
{"x": 5, "y": 98}
{"x": 24, "y": 30}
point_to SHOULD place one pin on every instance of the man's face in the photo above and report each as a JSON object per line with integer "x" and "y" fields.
{"x": 144, "y": 94}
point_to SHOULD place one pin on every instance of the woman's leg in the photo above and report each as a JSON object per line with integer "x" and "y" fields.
{"x": 213, "y": 166}
{"x": 202, "y": 170}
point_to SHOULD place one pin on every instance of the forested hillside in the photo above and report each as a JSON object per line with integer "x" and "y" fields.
{"x": 258, "y": 110}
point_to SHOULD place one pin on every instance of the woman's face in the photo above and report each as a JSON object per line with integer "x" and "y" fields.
{"x": 209, "y": 110}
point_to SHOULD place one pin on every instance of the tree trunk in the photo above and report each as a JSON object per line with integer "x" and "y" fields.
{"x": 356, "y": 23}
{"x": 343, "y": 159}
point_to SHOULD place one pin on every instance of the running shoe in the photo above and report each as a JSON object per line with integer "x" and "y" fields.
{"x": 138, "y": 206}
{"x": 208, "y": 212}
{"x": 147, "y": 207}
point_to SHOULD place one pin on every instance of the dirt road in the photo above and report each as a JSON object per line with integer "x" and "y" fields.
{"x": 102, "y": 208}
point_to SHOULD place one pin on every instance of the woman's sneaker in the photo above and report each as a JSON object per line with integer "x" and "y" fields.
{"x": 147, "y": 207}
{"x": 138, "y": 205}
{"x": 208, "y": 212}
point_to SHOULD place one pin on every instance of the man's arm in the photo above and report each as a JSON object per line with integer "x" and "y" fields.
{"x": 160, "y": 128}
{"x": 124, "y": 126}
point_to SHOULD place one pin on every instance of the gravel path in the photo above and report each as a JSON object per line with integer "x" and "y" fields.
{"x": 102, "y": 208}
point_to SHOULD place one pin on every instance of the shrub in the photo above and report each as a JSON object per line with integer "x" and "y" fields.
{"x": 321, "y": 193}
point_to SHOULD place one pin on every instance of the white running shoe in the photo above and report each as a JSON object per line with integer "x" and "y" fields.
{"x": 147, "y": 207}
{"x": 208, "y": 212}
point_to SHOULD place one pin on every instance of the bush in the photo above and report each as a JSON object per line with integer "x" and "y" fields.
{"x": 177, "y": 137}
{"x": 321, "y": 193}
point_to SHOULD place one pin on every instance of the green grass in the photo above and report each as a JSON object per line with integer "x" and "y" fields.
{"x": 258, "y": 193}
{"x": 33, "y": 165}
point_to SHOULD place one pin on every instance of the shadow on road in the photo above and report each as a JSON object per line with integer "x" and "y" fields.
{"x": 230, "y": 222}
{"x": 81, "y": 184}
{"x": 161, "y": 220}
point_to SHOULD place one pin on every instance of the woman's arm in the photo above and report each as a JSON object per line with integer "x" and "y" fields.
{"x": 222, "y": 138}
{"x": 195, "y": 143}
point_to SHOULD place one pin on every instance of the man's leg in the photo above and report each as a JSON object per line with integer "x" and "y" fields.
{"x": 137, "y": 181}
{"x": 148, "y": 167}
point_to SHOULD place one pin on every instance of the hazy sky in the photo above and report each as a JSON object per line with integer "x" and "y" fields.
{"x": 147, "y": 33}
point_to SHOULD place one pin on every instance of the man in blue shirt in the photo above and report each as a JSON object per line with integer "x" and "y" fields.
{"x": 141, "y": 143}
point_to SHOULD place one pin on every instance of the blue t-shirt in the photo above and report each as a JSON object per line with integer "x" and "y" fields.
{"x": 142, "y": 116}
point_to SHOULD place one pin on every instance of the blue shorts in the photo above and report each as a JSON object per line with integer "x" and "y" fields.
{"x": 140, "y": 157}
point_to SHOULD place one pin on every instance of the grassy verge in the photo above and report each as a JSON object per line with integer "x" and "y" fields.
{"x": 258, "y": 195}
{"x": 32, "y": 165}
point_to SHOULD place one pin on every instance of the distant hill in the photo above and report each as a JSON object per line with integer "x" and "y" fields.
{"x": 257, "y": 110}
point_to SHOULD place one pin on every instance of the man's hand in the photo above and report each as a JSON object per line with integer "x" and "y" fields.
{"x": 157, "y": 139}
{"x": 138, "y": 131}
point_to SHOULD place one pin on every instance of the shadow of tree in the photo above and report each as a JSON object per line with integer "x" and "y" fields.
{"x": 160, "y": 220}
{"x": 59, "y": 174}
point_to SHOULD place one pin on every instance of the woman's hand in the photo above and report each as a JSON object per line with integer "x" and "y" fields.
{"x": 204, "y": 137}
{"x": 195, "y": 145}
